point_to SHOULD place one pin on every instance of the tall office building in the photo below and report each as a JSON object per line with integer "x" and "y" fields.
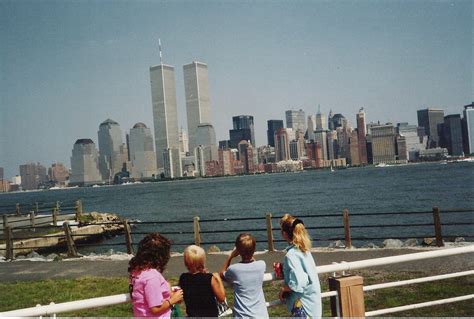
{"x": 172, "y": 164}
{"x": 383, "y": 144}
{"x": 58, "y": 173}
{"x": 295, "y": 120}
{"x": 429, "y": 119}
{"x": 282, "y": 145}
{"x": 311, "y": 126}
{"x": 320, "y": 120}
{"x": 452, "y": 134}
{"x": 320, "y": 136}
{"x": 468, "y": 128}
{"x": 32, "y": 175}
{"x": 335, "y": 121}
{"x": 142, "y": 152}
{"x": 243, "y": 130}
{"x": 413, "y": 141}
{"x": 183, "y": 141}
{"x": 165, "y": 114}
{"x": 85, "y": 163}
{"x": 110, "y": 149}
{"x": 206, "y": 137}
{"x": 354, "y": 149}
{"x": 198, "y": 106}
{"x": 273, "y": 126}
{"x": 246, "y": 157}
{"x": 361, "y": 133}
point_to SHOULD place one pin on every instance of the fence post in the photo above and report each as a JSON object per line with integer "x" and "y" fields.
{"x": 349, "y": 301}
{"x": 270, "y": 232}
{"x": 437, "y": 226}
{"x": 78, "y": 210}
{"x": 9, "y": 243}
{"x": 197, "y": 231}
{"x": 36, "y": 208}
{"x": 32, "y": 220}
{"x": 71, "y": 246}
{"x": 5, "y": 223}
{"x": 347, "y": 228}
{"x": 128, "y": 237}
{"x": 54, "y": 215}
{"x": 17, "y": 209}
{"x": 58, "y": 206}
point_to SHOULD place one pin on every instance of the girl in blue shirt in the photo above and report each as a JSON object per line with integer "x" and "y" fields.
{"x": 302, "y": 291}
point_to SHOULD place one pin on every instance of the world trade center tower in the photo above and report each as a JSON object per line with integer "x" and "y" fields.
{"x": 165, "y": 114}
{"x": 198, "y": 106}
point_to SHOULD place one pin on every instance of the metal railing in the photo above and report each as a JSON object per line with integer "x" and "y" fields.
{"x": 54, "y": 309}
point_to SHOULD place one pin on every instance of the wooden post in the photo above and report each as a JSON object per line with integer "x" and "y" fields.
{"x": 5, "y": 223}
{"x": 54, "y": 215}
{"x": 32, "y": 219}
{"x": 197, "y": 232}
{"x": 437, "y": 226}
{"x": 128, "y": 237}
{"x": 349, "y": 301}
{"x": 17, "y": 209}
{"x": 78, "y": 210}
{"x": 58, "y": 206}
{"x": 9, "y": 243}
{"x": 71, "y": 246}
{"x": 270, "y": 232}
{"x": 36, "y": 208}
{"x": 347, "y": 228}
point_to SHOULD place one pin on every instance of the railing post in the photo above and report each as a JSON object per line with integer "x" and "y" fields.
{"x": 78, "y": 210}
{"x": 32, "y": 219}
{"x": 17, "y": 209}
{"x": 71, "y": 246}
{"x": 349, "y": 301}
{"x": 58, "y": 206}
{"x": 270, "y": 232}
{"x": 5, "y": 223}
{"x": 197, "y": 231}
{"x": 9, "y": 243}
{"x": 437, "y": 226}
{"x": 54, "y": 215}
{"x": 128, "y": 237}
{"x": 36, "y": 208}
{"x": 347, "y": 228}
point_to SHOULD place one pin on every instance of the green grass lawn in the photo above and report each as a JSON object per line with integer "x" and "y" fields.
{"x": 28, "y": 294}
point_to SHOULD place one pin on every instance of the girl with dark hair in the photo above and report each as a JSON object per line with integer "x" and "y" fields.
{"x": 302, "y": 290}
{"x": 150, "y": 292}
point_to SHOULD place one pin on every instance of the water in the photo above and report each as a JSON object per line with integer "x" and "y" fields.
{"x": 416, "y": 187}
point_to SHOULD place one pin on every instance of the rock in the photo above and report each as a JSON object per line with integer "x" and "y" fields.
{"x": 337, "y": 244}
{"x": 412, "y": 242}
{"x": 428, "y": 242}
{"x": 370, "y": 245}
{"x": 52, "y": 257}
{"x": 58, "y": 258}
{"x": 213, "y": 249}
{"x": 392, "y": 243}
{"x": 34, "y": 254}
{"x": 459, "y": 240}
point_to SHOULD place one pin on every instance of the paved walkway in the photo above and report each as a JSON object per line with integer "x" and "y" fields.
{"x": 38, "y": 270}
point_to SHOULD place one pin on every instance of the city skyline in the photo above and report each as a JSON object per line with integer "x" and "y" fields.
{"x": 63, "y": 75}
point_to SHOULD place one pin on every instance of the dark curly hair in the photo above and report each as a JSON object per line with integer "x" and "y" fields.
{"x": 154, "y": 251}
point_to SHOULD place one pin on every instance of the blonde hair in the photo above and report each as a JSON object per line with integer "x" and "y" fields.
{"x": 297, "y": 233}
{"x": 195, "y": 258}
{"x": 245, "y": 244}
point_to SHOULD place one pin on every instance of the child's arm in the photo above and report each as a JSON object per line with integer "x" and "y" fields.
{"x": 226, "y": 265}
{"x": 175, "y": 298}
{"x": 218, "y": 287}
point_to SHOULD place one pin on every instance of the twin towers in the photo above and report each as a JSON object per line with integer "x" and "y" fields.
{"x": 165, "y": 115}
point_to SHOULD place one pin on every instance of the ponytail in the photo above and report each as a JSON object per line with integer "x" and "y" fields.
{"x": 296, "y": 231}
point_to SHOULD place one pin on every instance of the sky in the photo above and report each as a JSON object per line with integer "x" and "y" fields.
{"x": 66, "y": 66}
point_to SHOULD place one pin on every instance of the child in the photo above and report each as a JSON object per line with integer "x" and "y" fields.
{"x": 247, "y": 279}
{"x": 200, "y": 288}
{"x": 150, "y": 292}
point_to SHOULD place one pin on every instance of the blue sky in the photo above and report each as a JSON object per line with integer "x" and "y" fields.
{"x": 66, "y": 66}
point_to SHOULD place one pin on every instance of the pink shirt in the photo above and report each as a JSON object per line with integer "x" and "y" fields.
{"x": 150, "y": 289}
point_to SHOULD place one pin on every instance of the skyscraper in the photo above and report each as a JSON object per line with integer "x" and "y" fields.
{"x": 320, "y": 120}
{"x": 272, "y": 126}
{"x": 282, "y": 145}
{"x": 453, "y": 134}
{"x": 243, "y": 129}
{"x": 311, "y": 127}
{"x": 198, "y": 106}
{"x": 383, "y": 144}
{"x": 206, "y": 137}
{"x": 295, "y": 120}
{"x": 413, "y": 141}
{"x": 32, "y": 175}
{"x": 142, "y": 152}
{"x": 84, "y": 163}
{"x": 429, "y": 119}
{"x": 58, "y": 173}
{"x": 468, "y": 128}
{"x": 110, "y": 149}
{"x": 361, "y": 133}
{"x": 165, "y": 114}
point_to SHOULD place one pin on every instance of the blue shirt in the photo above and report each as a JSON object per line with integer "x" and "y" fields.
{"x": 299, "y": 270}
{"x": 247, "y": 280}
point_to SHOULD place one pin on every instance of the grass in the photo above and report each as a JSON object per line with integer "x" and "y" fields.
{"x": 28, "y": 294}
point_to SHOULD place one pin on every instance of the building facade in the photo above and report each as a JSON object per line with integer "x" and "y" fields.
{"x": 452, "y": 132}
{"x": 198, "y": 105}
{"x": 165, "y": 114}
{"x": 361, "y": 137}
{"x": 468, "y": 128}
{"x": 414, "y": 142}
{"x": 58, "y": 173}
{"x": 142, "y": 152}
{"x": 32, "y": 175}
{"x": 206, "y": 137}
{"x": 383, "y": 144}
{"x": 243, "y": 126}
{"x": 111, "y": 157}
{"x": 430, "y": 118}
{"x": 85, "y": 163}
{"x": 272, "y": 127}
{"x": 295, "y": 119}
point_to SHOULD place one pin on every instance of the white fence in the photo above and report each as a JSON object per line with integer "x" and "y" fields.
{"x": 54, "y": 309}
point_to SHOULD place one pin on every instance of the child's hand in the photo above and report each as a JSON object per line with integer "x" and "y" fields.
{"x": 176, "y": 296}
{"x": 234, "y": 253}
